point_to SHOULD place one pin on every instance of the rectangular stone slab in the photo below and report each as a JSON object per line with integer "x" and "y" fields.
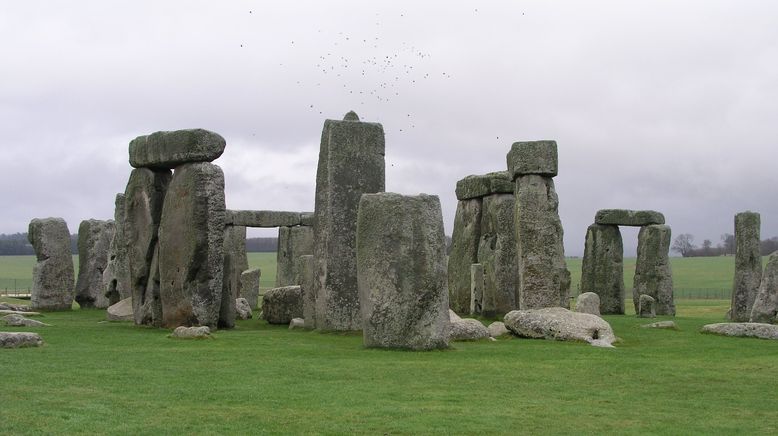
{"x": 653, "y": 275}
{"x": 166, "y": 150}
{"x": 626, "y": 217}
{"x": 475, "y": 186}
{"x": 265, "y": 218}
{"x": 602, "y": 269}
{"x": 94, "y": 240}
{"x": 497, "y": 254}
{"x": 533, "y": 157}
{"x": 748, "y": 265}
{"x": 52, "y": 275}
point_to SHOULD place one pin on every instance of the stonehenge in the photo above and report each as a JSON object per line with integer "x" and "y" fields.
{"x": 602, "y": 270}
{"x": 249, "y": 286}
{"x": 116, "y": 277}
{"x": 53, "y": 273}
{"x": 748, "y": 266}
{"x": 94, "y": 241}
{"x": 293, "y": 242}
{"x": 765, "y": 305}
{"x": 653, "y": 275}
{"x": 280, "y": 305}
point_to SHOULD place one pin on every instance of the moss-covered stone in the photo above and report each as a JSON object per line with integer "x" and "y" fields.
{"x": 281, "y": 305}
{"x": 465, "y": 238}
{"x": 293, "y": 242}
{"x": 533, "y": 157}
{"x": 94, "y": 241}
{"x": 497, "y": 254}
{"x": 52, "y": 275}
{"x": 475, "y": 186}
{"x": 167, "y": 150}
{"x": 602, "y": 271}
{"x": 264, "y": 218}
{"x": 765, "y": 306}
{"x": 305, "y": 268}
{"x": 748, "y": 265}
{"x": 626, "y": 217}
{"x": 653, "y": 275}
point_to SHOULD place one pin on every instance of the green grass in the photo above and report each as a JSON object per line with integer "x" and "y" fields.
{"x": 93, "y": 377}
{"x": 266, "y": 262}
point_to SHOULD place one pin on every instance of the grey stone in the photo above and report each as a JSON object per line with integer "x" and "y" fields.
{"x": 748, "y": 266}
{"x": 17, "y": 312}
{"x": 94, "y": 240}
{"x": 52, "y": 275}
{"x": 191, "y": 246}
{"x": 765, "y": 305}
{"x": 305, "y": 268}
{"x": 653, "y": 275}
{"x": 143, "y": 201}
{"x": 497, "y": 329}
{"x": 20, "y": 340}
{"x": 183, "y": 332}
{"x": 265, "y": 218}
{"x": 668, "y": 325}
{"x": 646, "y": 307}
{"x": 560, "y": 324}
{"x": 15, "y": 307}
{"x": 167, "y": 150}
{"x": 452, "y": 316}
{"x": 626, "y": 217}
{"x": 116, "y": 277}
{"x": 544, "y": 278}
{"x": 533, "y": 157}
{"x": 15, "y": 320}
{"x": 235, "y": 262}
{"x": 296, "y": 323}
{"x": 588, "y": 302}
{"x": 401, "y": 264}
{"x": 121, "y": 311}
{"x": 602, "y": 270}
{"x": 307, "y": 219}
{"x": 476, "y": 186}
{"x": 293, "y": 242}
{"x": 242, "y": 308}
{"x": 467, "y": 329}
{"x": 464, "y": 252}
{"x": 743, "y": 329}
{"x": 497, "y": 253}
{"x": 351, "y": 163}
{"x": 249, "y": 286}
{"x": 280, "y": 305}
{"x": 476, "y": 289}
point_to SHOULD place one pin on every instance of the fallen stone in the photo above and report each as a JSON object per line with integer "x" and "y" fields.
{"x": 296, "y": 323}
{"x": 249, "y": 286}
{"x": 748, "y": 266}
{"x": 497, "y": 329}
{"x": 661, "y": 325}
{"x": 497, "y": 254}
{"x": 293, "y": 242}
{"x": 121, "y": 311}
{"x": 560, "y": 324}
{"x": 200, "y": 332}
{"x": 167, "y": 150}
{"x": 588, "y": 302}
{"x": 53, "y": 273}
{"x": 452, "y": 316}
{"x": 653, "y": 275}
{"x": 467, "y": 329}
{"x": 17, "y": 312}
{"x": 20, "y": 340}
{"x": 743, "y": 329}
{"x": 15, "y": 320}
{"x": 646, "y": 307}
{"x": 305, "y": 267}
{"x": 765, "y": 305}
{"x": 94, "y": 241}
{"x": 464, "y": 252}
{"x": 281, "y": 305}
{"x": 533, "y": 157}
{"x": 626, "y": 217}
{"x": 603, "y": 268}
{"x": 15, "y": 307}
{"x": 242, "y": 308}
{"x": 264, "y": 218}
{"x": 476, "y": 186}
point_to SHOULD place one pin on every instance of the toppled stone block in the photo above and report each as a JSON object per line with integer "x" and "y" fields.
{"x": 53, "y": 273}
{"x": 242, "y": 309}
{"x": 533, "y": 157}
{"x": 743, "y": 329}
{"x": 199, "y": 332}
{"x": 626, "y": 217}
{"x": 497, "y": 329}
{"x": 121, "y": 311}
{"x": 94, "y": 240}
{"x": 748, "y": 266}
{"x": 281, "y": 305}
{"x": 20, "y": 340}
{"x": 668, "y": 325}
{"x": 646, "y": 306}
{"x": 467, "y": 329}
{"x": 16, "y": 320}
{"x": 602, "y": 270}
{"x": 249, "y": 286}
{"x": 477, "y": 186}
{"x": 296, "y": 324}
{"x": 264, "y": 218}
{"x": 588, "y": 302}
{"x": 15, "y": 307}
{"x": 464, "y": 252}
{"x": 653, "y": 275}
{"x": 293, "y": 242}
{"x": 560, "y": 324}
{"x": 167, "y": 150}
{"x": 765, "y": 308}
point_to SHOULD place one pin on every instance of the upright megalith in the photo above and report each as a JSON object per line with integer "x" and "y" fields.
{"x": 293, "y": 242}
{"x": 116, "y": 277}
{"x": 401, "y": 264}
{"x": 465, "y": 239}
{"x": 351, "y": 163}
{"x": 476, "y": 288}
{"x": 497, "y": 254}
{"x": 305, "y": 268}
{"x": 544, "y": 278}
{"x": 94, "y": 241}
{"x": 653, "y": 276}
{"x": 603, "y": 267}
{"x": 52, "y": 275}
{"x": 235, "y": 262}
{"x": 765, "y": 305}
{"x": 143, "y": 201}
{"x": 748, "y": 266}
{"x": 191, "y": 246}
{"x": 249, "y": 286}
{"x": 167, "y": 150}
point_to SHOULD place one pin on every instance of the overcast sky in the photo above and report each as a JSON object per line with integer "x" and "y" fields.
{"x": 665, "y": 105}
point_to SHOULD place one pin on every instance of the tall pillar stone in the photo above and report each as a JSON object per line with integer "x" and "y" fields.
{"x": 235, "y": 262}
{"x": 94, "y": 241}
{"x": 653, "y": 275}
{"x": 465, "y": 238}
{"x": 116, "y": 277}
{"x": 293, "y": 242}
{"x": 52, "y": 275}
{"x": 476, "y": 288}
{"x": 766, "y": 303}
{"x": 748, "y": 266}
{"x": 305, "y": 268}
{"x": 603, "y": 267}
{"x": 351, "y": 163}
{"x": 401, "y": 263}
{"x": 497, "y": 253}
{"x": 191, "y": 241}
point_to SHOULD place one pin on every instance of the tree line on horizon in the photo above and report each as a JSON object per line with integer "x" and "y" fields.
{"x": 683, "y": 244}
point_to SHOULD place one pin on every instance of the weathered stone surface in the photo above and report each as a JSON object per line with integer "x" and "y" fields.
{"x": 121, "y": 311}
{"x": 235, "y": 262}
{"x": 20, "y": 340}
{"x": 305, "y": 269}
{"x": 476, "y": 289}
{"x": 646, "y": 306}
{"x": 15, "y": 320}
{"x": 94, "y": 240}
{"x": 116, "y": 277}
{"x": 626, "y": 217}
{"x": 351, "y": 163}
{"x": 467, "y": 329}
{"x": 560, "y": 324}
{"x": 265, "y": 218}
{"x": 497, "y": 329}
{"x": 182, "y": 332}
{"x": 464, "y": 252}
{"x": 249, "y": 286}
{"x": 497, "y": 253}
{"x": 296, "y": 324}
{"x": 243, "y": 309}
{"x": 452, "y": 316}
{"x": 765, "y": 305}
{"x": 15, "y": 307}
{"x": 52, "y": 275}
{"x": 293, "y": 242}
{"x": 533, "y": 157}
{"x": 653, "y": 275}
{"x": 401, "y": 265}
{"x": 476, "y": 186}
{"x": 191, "y": 246}
{"x": 545, "y": 280}
{"x": 143, "y": 201}
{"x": 17, "y": 312}
{"x": 668, "y": 325}
{"x": 167, "y": 150}
{"x": 588, "y": 302}
{"x": 603, "y": 268}
{"x": 280, "y": 305}
{"x": 743, "y": 329}
{"x": 748, "y": 265}
{"x": 307, "y": 219}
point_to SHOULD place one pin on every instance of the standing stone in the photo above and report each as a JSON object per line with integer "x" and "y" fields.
{"x": 603, "y": 267}
{"x": 305, "y": 268}
{"x": 464, "y": 252}
{"x": 235, "y": 262}
{"x": 143, "y": 201}
{"x": 281, "y": 305}
{"x": 243, "y": 309}
{"x": 401, "y": 264}
{"x": 653, "y": 275}
{"x": 191, "y": 241}
{"x": 94, "y": 241}
{"x": 52, "y": 275}
{"x": 766, "y": 303}
{"x": 351, "y": 163}
{"x": 588, "y": 302}
{"x": 249, "y": 286}
{"x": 748, "y": 265}
{"x": 497, "y": 253}
{"x": 293, "y": 242}
{"x": 116, "y": 277}
{"x": 167, "y": 150}
{"x": 476, "y": 288}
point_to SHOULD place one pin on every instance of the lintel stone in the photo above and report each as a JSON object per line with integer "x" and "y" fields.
{"x": 169, "y": 149}
{"x": 265, "y": 218}
{"x": 626, "y": 217}
{"x": 476, "y": 186}
{"x": 533, "y": 157}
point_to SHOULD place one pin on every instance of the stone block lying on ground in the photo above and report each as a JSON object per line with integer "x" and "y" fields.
{"x": 20, "y": 340}
{"x": 242, "y": 308}
{"x": 588, "y": 302}
{"x": 121, "y": 311}
{"x": 15, "y": 320}
{"x": 200, "y": 332}
{"x": 743, "y": 329}
{"x": 16, "y": 312}
{"x": 281, "y": 305}
{"x": 560, "y": 324}
{"x": 627, "y": 217}
{"x": 15, "y": 307}
{"x": 467, "y": 329}
{"x": 661, "y": 325}
{"x": 167, "y": 150}
{"x": 296, "y": 323}
{"x": 497, "y": 329}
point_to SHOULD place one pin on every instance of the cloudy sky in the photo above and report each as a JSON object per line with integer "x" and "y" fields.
{"x": 666, "y": 105}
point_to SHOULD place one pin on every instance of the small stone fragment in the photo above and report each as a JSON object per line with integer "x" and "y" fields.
{"x": 743, "y": 329}
{"x": 296, "y": 323}
{"x": 167, "y": 150}
{"x": 242, "y": 308}
{"x": 670, "y": 325}
{"x": 121, "y": 311}
{"x": 182, "y": 332}
{"x": 467, "y": 329}
{"x": 533, "y": 157}
{"x": 626, "y": 217}
{"x": 20, "y": 340}
{"x": 15, "y": 320}
{"x": 588, "y": 302}
{"x": 281, "y": 305}
{"x": 497, "y": 329}
{"x": 646, "y": 306}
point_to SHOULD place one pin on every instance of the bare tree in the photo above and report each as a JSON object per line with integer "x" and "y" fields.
{"x": 728, "y": 243}
{"x": 684, "y": 244}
